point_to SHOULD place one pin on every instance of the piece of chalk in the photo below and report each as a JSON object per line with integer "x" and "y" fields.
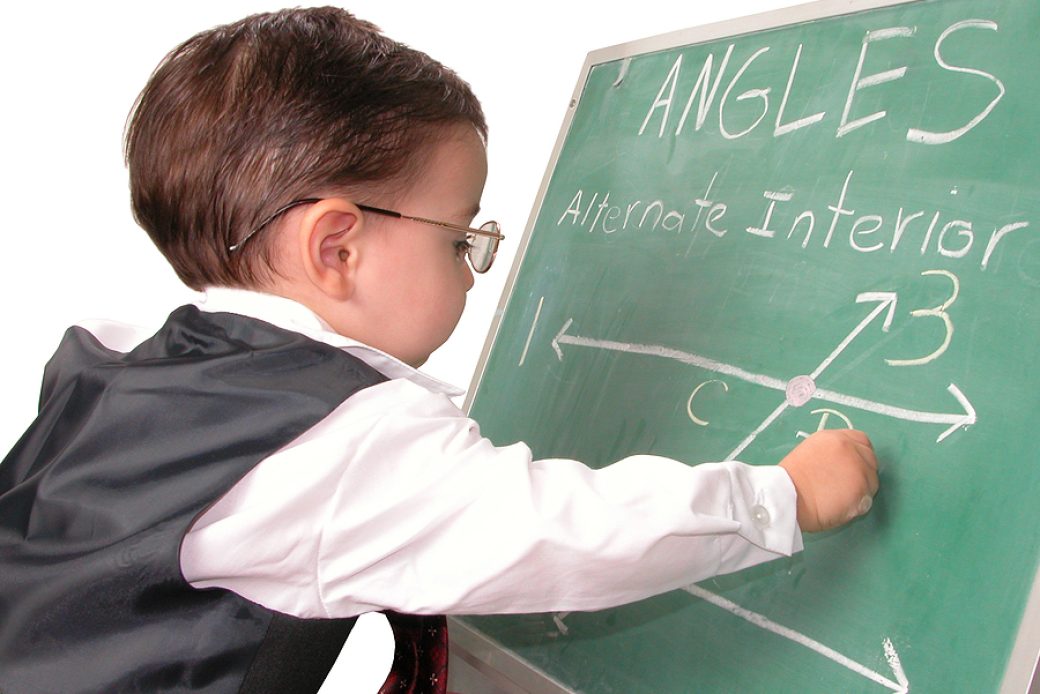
{"x": 864, "y": 504}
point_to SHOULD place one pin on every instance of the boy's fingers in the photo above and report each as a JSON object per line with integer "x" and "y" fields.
{"x": 858, "y": 436}
{"x": 864, "y": 504}
{"x": 867, "y": 447}
{"x": 871, "y": 480}
{"x": 866, "y": 451}
{"x": 861, "y": 508}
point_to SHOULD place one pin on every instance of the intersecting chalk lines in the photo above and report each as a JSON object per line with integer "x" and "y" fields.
{"x": 797, "y": 391}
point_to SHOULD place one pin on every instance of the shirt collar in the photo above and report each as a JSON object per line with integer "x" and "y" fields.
{"x": 291, "y": 315}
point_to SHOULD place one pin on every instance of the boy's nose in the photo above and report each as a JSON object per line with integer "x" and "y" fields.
{"x": 469, "y": 280}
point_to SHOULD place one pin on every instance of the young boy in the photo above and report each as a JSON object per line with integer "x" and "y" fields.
{"x": 210, "y": 507}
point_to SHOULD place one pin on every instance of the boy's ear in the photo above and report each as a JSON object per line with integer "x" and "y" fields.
{"x": 329, "y": 236}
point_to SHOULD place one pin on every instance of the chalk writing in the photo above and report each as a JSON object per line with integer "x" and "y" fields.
{"x": 937, "y": 312}
{"x": 825, "y": 414}
{"x": 940, "y": 232}
{"x": 689, "y": 402}
{"x": 706, "y": 86}
{"x": 802, "y": 388}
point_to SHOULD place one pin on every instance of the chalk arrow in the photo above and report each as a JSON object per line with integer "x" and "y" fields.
{"x": 899, "y": 684}
{"x": 886, "y": 301}
{"x": 560, "y": 335}
{"x": 562, "y": 338}
{"x": 956, "y": 420}
{"x": 801, "y": 388}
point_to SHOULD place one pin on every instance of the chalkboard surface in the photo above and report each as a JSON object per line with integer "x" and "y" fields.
{"x": 785, "y": 226}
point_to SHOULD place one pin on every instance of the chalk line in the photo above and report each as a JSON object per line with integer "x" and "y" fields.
{"x": 902, "y": 684}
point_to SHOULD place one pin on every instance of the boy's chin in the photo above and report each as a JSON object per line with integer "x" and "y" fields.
{"x": 413, "y": 360}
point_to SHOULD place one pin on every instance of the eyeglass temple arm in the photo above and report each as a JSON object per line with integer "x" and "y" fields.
{"x": 277, "y": 213}
{"x": 457, "y": 227}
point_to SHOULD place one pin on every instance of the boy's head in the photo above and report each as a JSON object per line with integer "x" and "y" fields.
{"x": 244, "y": 118}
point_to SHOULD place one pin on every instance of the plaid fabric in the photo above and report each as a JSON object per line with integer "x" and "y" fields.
{"x": 420, "y": 655}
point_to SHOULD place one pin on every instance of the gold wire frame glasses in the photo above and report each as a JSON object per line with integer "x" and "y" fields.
{"x": 482, "y": 242}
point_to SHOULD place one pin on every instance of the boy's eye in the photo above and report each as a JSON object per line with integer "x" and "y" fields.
{"x": 462, "y": 246}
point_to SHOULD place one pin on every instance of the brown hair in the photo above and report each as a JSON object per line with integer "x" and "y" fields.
{"x": 243, "y": 118}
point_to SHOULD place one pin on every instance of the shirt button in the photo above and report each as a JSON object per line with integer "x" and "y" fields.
{"x": 760, "y": 516}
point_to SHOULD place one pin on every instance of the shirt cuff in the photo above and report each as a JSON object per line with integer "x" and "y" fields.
{"x": 768, "y": 516}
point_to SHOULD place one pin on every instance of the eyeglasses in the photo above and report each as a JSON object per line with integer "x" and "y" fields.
{"x": 482, "y": 243}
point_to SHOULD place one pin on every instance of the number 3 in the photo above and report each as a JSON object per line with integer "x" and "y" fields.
{"x": 939, "y": 312}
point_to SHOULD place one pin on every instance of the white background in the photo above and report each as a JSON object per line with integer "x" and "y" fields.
{"x": 71, "y": 71}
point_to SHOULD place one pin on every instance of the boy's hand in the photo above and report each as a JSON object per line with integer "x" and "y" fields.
{"x": 835, "y": 474}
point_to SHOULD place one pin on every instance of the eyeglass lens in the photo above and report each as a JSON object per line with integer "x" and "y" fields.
{"x": 482, "y": 249}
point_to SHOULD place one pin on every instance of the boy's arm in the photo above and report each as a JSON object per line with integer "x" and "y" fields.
{"x": 396, "y": 502}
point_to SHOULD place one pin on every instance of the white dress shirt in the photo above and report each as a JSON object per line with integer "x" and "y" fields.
{"x": 395, "y": 501}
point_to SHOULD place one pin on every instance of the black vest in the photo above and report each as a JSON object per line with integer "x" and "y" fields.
{"x": 127, "y": 451}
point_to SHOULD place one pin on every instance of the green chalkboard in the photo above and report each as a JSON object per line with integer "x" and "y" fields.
{"x": 825, "y": 217}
